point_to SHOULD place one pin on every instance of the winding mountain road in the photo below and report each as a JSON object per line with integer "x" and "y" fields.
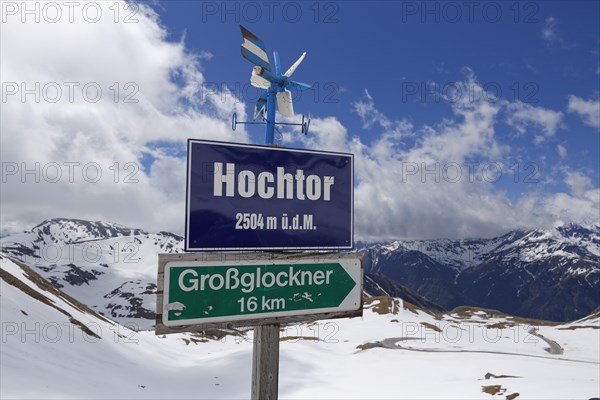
{"x": 555, "y": 348}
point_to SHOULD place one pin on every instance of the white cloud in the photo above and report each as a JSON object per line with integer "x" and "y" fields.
{"x": 531, "y": 68}
{"x": 550, "y": 33}
{"x": 588, "y": 110}
{"x": 562, "y": 150}
{"x": 577, "y": 182}
{"x": 161, "y": 76}
{"x": 369, "y": 114}
{"x": 429, "y": 190}
{"x": 326, "y": 134}
{"x": 564, "y": 207}
{"x": 392, "y": 132}
{"x": 443, "y": 185}
{"x": 549, "y": 28}
{"x": 402, "y": 190}
{"x": 522, "y": 115}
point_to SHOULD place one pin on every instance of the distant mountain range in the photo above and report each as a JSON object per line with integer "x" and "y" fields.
{"x": 552, "y": 274}
{"x": 544, "y": 274}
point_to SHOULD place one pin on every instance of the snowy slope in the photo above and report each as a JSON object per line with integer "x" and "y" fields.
{"x": 106, "y": 266}
{"x": 44, "y": 355}
{"x": 394, "y": 351}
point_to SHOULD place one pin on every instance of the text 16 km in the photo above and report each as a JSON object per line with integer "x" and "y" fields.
{"x": 251, "y": 304}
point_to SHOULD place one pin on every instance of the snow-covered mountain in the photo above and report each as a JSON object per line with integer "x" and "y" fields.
{"x": 547, "y": 274}
{"x": 108, "y": 267}
{"x": 112, "y": 268}
{"x": 55, "y": 347}
{"x": 551, "y": 274}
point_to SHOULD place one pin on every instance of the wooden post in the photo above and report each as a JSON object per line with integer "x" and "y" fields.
{"x": 265, "y": 362}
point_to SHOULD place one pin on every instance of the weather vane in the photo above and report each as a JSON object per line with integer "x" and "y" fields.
{"x": 275, "y": 87}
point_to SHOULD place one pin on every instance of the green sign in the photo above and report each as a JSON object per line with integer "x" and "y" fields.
{"x": 197, "y": 292}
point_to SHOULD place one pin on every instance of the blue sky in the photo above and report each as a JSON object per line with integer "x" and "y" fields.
{"x": 510, "y": 88}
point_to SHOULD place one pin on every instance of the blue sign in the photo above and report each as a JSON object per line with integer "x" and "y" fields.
{"x": 249, "y": 197}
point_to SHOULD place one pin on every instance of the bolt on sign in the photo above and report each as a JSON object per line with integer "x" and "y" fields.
{"x": 245, "y": 287}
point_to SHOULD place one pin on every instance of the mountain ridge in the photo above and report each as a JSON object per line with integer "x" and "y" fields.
{"x": 550, "y": 275}
{"x": 546, "y": 274}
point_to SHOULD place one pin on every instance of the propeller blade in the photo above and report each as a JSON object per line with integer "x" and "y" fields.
{"x": 260, "y": 108}
{"x": 297, "y": 85}
{"x": 258, "y": 81}
{"x": 253, "y": 49}
{"x": 277, "y": 63}
{"x": 291, "y": 70}
{"x": 284, "y": 103}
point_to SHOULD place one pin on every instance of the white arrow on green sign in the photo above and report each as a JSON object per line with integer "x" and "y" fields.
{"x": 197, "y": 292}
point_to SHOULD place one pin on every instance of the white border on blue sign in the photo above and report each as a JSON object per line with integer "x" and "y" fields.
{"x": 263, "y": 147}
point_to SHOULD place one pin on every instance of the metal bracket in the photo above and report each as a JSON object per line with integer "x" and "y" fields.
{"x": 305, "y": 124}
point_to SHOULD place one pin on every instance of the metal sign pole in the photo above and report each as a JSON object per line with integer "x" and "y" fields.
{"x": 270, "y": 127}
{"x": 265, "y": 352}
